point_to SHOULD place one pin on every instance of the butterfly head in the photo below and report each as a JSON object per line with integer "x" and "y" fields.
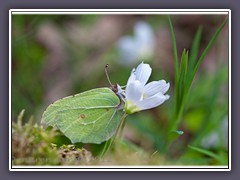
{"x": 116, "y": 89}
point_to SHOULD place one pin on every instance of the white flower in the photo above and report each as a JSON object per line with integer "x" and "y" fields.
{"x": 142, "y": 96}
{"x": 139, "y": 46}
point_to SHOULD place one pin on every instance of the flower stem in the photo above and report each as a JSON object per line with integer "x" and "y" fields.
{"x": 118, "y": 134}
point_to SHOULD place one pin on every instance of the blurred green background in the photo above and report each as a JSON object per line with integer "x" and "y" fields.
{"x": 54, "y": 56}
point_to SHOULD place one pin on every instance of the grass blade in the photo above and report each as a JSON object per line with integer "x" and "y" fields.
{"x": 195, "y": 48}
{"x": 205, "y": 52}
{"x": 208, "y": 153}
{"x": 182, "y": 93}
{"x": 174, "y": 48}
{"x": 194, "y": 52}
{"x": 182, "y": 77}
{"x": 176, "y": 66}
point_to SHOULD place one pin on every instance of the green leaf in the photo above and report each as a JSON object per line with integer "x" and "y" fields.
{"x": 182, "y": 77}
{"x": 184, "y": 80}
{"x": 181, "y": 91}
{"x": 175, "y": 134}
{"x": 194, "y": 52}
{"x": 89, "y": 117}
{"x": 179, "y": 132}
{"x": 209, "y": 153}
{"x": 174, "y": 47}
{"x": 176, "y": 66}
{"x": 199, "y": 62}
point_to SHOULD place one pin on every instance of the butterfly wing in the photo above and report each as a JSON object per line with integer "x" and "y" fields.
{"x": 88, "y": 117}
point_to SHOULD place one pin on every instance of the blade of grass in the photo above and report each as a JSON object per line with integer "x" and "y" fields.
{"x": 194, "y": 52}
{"x": 208, "y": 153}
{"x": 183, "y": 74}
{"x": 181, "y": 93}
{"x": 173, "y": 132}
{"x": 181, "y": 90}
{"x": 195, "y": 47}
{"x": 205, "y": 52}
{"x": 174, "y": 48}
{"x": 176, "y": 66}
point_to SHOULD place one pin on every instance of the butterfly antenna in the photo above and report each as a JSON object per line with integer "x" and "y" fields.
{"x": 106, "y": 71}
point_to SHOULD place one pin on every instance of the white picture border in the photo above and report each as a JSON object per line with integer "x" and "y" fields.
{"x": 119, "y": 11}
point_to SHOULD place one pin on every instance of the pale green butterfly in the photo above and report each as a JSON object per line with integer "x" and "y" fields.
{"x": 89, "y": 117}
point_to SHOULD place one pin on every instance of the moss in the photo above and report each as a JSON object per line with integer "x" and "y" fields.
{"x": 32, "y": 145}
{"x": 70, "y": 155}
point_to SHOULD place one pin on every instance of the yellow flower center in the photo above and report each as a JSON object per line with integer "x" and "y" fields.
{"x": 130, "y": 107}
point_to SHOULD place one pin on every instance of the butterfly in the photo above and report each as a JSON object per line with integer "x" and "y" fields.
{"x": 89, "y": 117}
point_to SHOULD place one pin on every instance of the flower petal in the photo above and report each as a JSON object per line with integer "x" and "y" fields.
{"x": 134, "y": 91}
{"x": 143, "y": 73}
{"x": 153, "y": 101}
{"x": 132, "y": 77}
{"x": 155, "y": 87}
